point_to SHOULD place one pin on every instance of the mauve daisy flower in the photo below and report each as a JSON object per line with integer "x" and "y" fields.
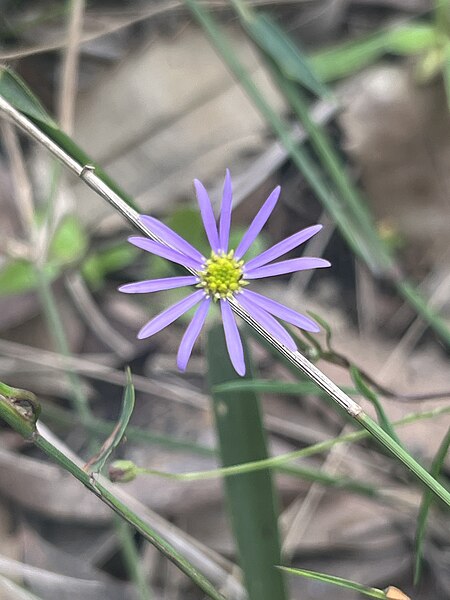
{"x": 224, "y": 275}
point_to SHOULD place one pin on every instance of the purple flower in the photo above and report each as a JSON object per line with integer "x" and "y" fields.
{"x": 223, "y": 275}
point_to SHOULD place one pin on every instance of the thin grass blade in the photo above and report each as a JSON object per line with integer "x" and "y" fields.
{"x": 274, "y": 387}
{"x": 427, "y": 500}
{"x": 274, "y": 41}
{"x": 97, "y": 462}
{"x": 368, "y": 393}
{"x": 338, "y": 581}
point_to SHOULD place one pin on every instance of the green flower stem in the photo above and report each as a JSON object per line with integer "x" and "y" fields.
{"x": 26, "y": 428}
{"x": 372, "y": 430}
{"x": 65, "y": 417}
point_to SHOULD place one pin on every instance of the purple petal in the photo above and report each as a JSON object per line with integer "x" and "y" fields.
{"x": 280, "y": 310}
{"x": 267, "y": 321}
{"x": 286, "y": 266}
{"x": 284, "y": 246}
{"x": 169, "y": 315}
{"x": 172, "y": 238}
{"x": 206, "y": 210}
{"x": 165, "y": 252}
{"x": 191, "y": 334}
{"x": 157, "y": 285}
{"x": 225, "y": 213}
{"x": 258, "y": 223}
{"x": 232, "y": 338}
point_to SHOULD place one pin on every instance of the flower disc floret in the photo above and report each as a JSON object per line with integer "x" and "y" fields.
{"x": 222, "y": 275}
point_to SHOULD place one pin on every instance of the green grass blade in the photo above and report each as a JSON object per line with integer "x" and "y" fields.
{"x": 408, "y": 461}
{"x": 368, "y": 393}
{"x": 274, "y": 387}
{"x": 97, "y": 462}
{"x": 274, "y": 41}
{"x": 338, "y": 581}
{"x": 415, "y": 299}
{"x": 16, "y": 92}
{"x": 251, "y": 498}
{"x": 425, "y": 505}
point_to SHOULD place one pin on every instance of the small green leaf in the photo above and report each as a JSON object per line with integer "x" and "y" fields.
{"x": 410, "y": 39}
{"x": 97, "y": 462}
{"x": 187, "y": 222}
{"x": 338, "y": 581}
{"x": 19, "y": 276}
{"x": 68, "y": 245}
{"x": 102, "y": 262}
{"x": 69, "y": 242}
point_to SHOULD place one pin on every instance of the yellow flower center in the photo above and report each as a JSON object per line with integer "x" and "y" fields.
{"x": 222, "y": 275}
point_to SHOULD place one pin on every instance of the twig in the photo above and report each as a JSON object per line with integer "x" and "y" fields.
{"x": 22, "y": 187}
{"x": 69, "y": 78}
{"x": 94, "y": 318}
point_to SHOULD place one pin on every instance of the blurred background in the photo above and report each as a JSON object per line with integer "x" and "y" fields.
{"x": 142, "y": 90}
